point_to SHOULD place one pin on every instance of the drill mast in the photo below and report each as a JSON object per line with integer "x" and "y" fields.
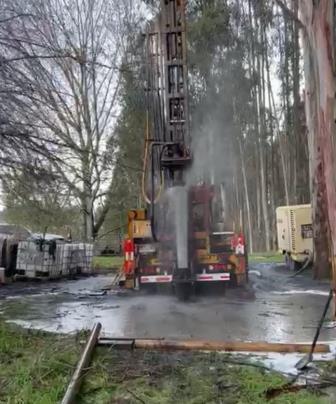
{"x": 168, "y": 91}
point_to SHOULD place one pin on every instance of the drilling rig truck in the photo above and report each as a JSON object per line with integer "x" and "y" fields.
{"x": 179, "y": 239}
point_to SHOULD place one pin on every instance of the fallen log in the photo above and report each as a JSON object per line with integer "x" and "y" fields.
{"x": 228, "y": 346}
{"x": 204, "y": 345}
{"x": 76, "y": 380}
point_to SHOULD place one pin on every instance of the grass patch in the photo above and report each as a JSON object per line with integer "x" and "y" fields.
{"x": 35, "y": 368}
{"x": 190, "y": 378}
{"x": 116, "y": 262}
{"x": 107, "y": 262}
{"x": 266, "y": 257}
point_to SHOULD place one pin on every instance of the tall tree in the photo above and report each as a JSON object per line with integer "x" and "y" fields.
{"x": 317, "y": 23}
{"x": 38, "y": 200}
{"x": 126, "y": 192}
{"x": 64, "y": 78}
{"x": 238, "y": 50}
{"x": 318, "y": 20}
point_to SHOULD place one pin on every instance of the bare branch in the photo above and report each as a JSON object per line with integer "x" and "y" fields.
{"x": 61, "y": 73}
{"x": 13, "y": 17}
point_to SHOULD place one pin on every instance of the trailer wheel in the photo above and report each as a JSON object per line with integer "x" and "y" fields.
{"x": 291, "y": 264}
{"x": 183, "y": 291}
{"x": 296, "y": 266}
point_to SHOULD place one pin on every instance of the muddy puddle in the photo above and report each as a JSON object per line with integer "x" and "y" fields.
{"x": 280, "y": 309}
{"x": 274, "y": 308}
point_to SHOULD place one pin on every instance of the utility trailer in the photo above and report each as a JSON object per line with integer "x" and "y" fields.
{"x": 295, "y": 234}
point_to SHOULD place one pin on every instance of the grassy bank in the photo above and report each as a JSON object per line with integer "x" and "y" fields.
{"x": 116, "y": 262}
{"x": 107, "y": 262}
{"x": 35, "y": 369}
{"x": 266, "y": 257}
{"x": 34, "y": 366}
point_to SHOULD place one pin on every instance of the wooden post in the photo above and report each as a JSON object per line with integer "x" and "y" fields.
{"x": 76, "y": 380}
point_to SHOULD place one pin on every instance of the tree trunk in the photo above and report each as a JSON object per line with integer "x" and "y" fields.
{"x": 87, "y": 201}
{"x": 318, "y": 22}
{"x": 298, "y": 164}
{"x": 264, "y": 197}
{"x": 288, "y": 124}
{"x": 282, "y": 148}
{"x": 247, "y": 198}
{"x": 88, "y": 223}
{"x": 261, "y": 144}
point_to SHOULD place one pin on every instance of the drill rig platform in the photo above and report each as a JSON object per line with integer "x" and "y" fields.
{"x": 175, "y": 240}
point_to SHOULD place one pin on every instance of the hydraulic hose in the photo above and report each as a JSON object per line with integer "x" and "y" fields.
{"x": 149, "y": 200}
{"x": 152, "y": 218}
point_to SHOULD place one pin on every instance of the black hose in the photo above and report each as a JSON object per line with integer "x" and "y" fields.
{"x": 152, "y": 196}
{"x": 304, "y": 362}
{"x": 330, "y": 296}
{"x": 305, "y": 265}
{"x": 152, "y": 218}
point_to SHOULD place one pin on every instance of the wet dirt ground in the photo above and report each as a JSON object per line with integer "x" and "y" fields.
{"x": 275, "y": 307}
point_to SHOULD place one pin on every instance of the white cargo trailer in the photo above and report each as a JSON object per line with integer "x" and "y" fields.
{"x": 295, "y": 234}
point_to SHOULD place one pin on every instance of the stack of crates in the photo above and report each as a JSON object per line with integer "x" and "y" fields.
{"x": 53, "y": 259}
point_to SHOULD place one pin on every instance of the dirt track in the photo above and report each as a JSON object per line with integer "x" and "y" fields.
{"x": 275, "y": 307}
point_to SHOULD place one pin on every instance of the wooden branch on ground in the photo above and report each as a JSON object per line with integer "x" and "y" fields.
{"x": 206, "y": 345}
{"x": 74, "y": 385}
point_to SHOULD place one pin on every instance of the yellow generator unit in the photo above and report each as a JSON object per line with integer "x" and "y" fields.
{"x": 295, "y": 234}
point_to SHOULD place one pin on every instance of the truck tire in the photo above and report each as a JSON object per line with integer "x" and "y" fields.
{"x": 183, "y": 291}
{"x": 150, "y": 289}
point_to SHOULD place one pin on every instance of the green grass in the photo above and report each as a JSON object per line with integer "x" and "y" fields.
{"x": 191, "y": 378}
{"x": 116, "y": 262}
{"x": 266, "y": 257}
{"x": 36, "y": 367}
{"x": 107, "y": 262}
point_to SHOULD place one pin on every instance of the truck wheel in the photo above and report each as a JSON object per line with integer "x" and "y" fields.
{"x": 183, "y": 291}
{"x": 233, "y": 281}
{"x": 149, "y": 289}
{"x": 238, "y": 280}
